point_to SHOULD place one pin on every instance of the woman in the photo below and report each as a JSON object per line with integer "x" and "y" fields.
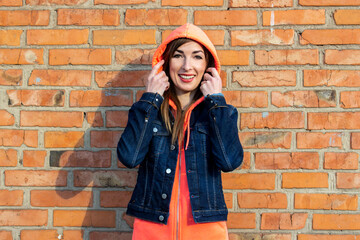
{"x": 183, "y": 134}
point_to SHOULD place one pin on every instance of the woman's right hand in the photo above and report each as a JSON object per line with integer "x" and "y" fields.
{"x": 157, "y": 82}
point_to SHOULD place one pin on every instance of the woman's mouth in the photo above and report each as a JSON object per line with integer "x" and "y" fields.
{"x": 186, "y": 78}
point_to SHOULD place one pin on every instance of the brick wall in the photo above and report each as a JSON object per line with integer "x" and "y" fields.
{"x": 70, "y": 70}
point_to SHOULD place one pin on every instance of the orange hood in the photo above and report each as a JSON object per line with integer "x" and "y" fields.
{"x": 190, "y": 31}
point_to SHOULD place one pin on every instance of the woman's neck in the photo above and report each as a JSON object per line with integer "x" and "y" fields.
{"x": 185, "y": 99}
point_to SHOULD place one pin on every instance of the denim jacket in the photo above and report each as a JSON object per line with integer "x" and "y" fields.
{"x": 214, "y": 146}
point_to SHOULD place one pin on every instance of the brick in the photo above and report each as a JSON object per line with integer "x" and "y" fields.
{"x": 347, "y": 16}
{"x": 21, "y": 56}
{"x": 80, "y": 56}
{"x": 246, "y": 164}
{"x": 301, "y": 99}
{"x": 287, "y": 57}
{"x": 336, "y": 160}
{"x": 80, "y": 159}
{"x": 15, "y": 138}
{"x": 57, "y": 36}
{"x": 305, "y": 180}
{"x": 57, "y": 198}
{"x": 6, "y": 118}
{"x": 294, "y": 17}
{"x": 24, "y": 217}
{"x": 355, "y": 140}
{"x": 228, "y": 200}
{"x": 95, "y": 119}
{"x": 262, "y": 200}
{"x": 337, "y": 78}
{"x": 265, "y": 78}
{"x": 11, "y": 3}
{"x": 92, "y": 17}
{"x": 11, "y": 198}
{"x": 51, "y": 119}
{"x": 346, "y": 180}
{"x": 51, "y": 234}
{"x": 124, "y": 37}
{"x": 272, "y": 120}
{"x": 259, "y": 236}
{"x": 175, "y": 3}
{"x": 104, "y": 139}
{"x": 121, "y": 78}
{"x": 55, "y": 2}
{"x": 34, "y": 158}
{"x": 227, "y": 18}
{"x": 330, "y": 36}
{"x": 44, "y": 98}
{"x": 98, "y": 98}
{"x": 334, "y": 120}
{"x": 134, "y": 56}
{"x": 116, "y": 118}
{"x": 115, "y": 199}
{"x": 38, "y": 178}
{"x": 5, "y": 235}
{"x": 121, "y": 2}
{"x": 241, "y": 221}
{"x": 217, "y": 37}
{"x": 11, "y": 77}
{"x": 162, "y": 17}
{"x": 41, "y": 77}
{"x": 70, "y": 139}
{"x": 31, "y": 138}
{"x": 84, "y": 218}
{"x": 265, "y": 139}
{"x": 129, "y": 220}
{"x": 256, "y": 99}
{"x": 329, "y": 2}
{"x": 325, "y": 237}
{"x": 325, "y": 201}
{"x": 94, "y": 235}
{"x": 8, "y": 158}
{"x": 287, "y": 160}
{"x": 350, "y": 99}
{"x": 24, "y": 18}
{"x": 262, "y": 37}
{"x": 283, "y": 221}
{"x": 342, "y": 57}
{"x": 260, "y": 3}
{"x": 318, "y": 140}
{"x": 336, "y": 222}
{"x": 10, "y": 37}
{"x": 256, "y": 181}
{"x": 115, "y": 179}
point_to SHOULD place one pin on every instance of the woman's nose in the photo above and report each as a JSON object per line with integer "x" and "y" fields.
{"x": 186, "y": 64}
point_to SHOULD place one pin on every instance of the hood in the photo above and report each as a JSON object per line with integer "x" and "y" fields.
{"x": 187, "y": 31}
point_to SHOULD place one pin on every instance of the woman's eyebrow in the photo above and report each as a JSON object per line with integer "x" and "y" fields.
{"x": 194, "y": 52}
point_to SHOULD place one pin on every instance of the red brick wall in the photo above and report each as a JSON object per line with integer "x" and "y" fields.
{"x": 70, "y": 70}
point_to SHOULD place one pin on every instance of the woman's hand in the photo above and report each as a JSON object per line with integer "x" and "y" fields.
{"x": 211, "y": 83}
{"x": 157, "y": 82}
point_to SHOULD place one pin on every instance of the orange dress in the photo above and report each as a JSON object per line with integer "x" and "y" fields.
{"x": 181, "y": 225}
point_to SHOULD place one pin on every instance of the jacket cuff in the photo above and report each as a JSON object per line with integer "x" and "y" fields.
{"x": 153, "y": 98}
{"x": 215, "y": 100}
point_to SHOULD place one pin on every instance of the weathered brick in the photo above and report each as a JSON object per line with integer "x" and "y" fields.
{"x": 260, "y": 3}
{"x": 318, "y": 140}
{"x": 80, "y": 56}
{"x": 49, "y": 77}
{"x": 84, "y": 218}
{"x": 342, "y": 57}
{"x": 305, "y": 180}
{"x": 93, "y": 17}
{"x": 339, "y": 160}
{"x": 104, "y": 139}
{"x": 134, "y": 56}
{"x": 355, "y": 140}
{"x": 10, "y": 37}
{"x": 272, "y": 120}
{"x": 80, "y": 159}
{"x": 330, "y": 36}
{"x": 329, "y": 2}
{"x": 115, "y": 199}
{"x": 227, "y": 18}
{"x": 57, "y": 36}
{"x": 255, "y": 99}
{"x": 8, "y": 158}
{"x": 121, "y": 78}
{"x": 24, "y": 217}
{"x": 70, "y": 139}
{"x": 265, "y": 139}
{"x": 51, "y": 119}
{"x": 287, "y": 57}
{"x": 287, "y": 160}
{"x": 347, "y": 16}
{"x": 41, "y": 178}
{"x": 11, "y": 3}
{"x": 294, "y": 17}
{"x": 283, "y": 221}
{"x": 34, "y": 158}
{"x": 246, "y": 164}
{"x": 21, "y": 56}
{"x": 11, "y": 198}
{"x": 334, "y": 120}
{"x": 11, "y": 77}
{"x": 350, "y": 99}
{"x": 262, "y": 37}
{"x": 325, "y": 237}
{"x": 95, "y": 119}
{"x": 44, "y": 234}
{"x": 228, "y": 200}
{"x": 262, "y": 200}
{"x": 122, "y": 2}
{"x": 61, "y": 198}
{"x": 31, "y": 138}
{"x": 216, "y": 36}
{"x": 325, "y": 201}
{"x": 5, "y": 235}
{"x": 124, "y": 37}
{"x": 232, "y": 57}
{"x": 98, "y": 98}
{"x": 15, "y": 138}
{"x": 259, "y": 236}
{"x": 48, "y": 98}
{"x": 336, "y": 222}
{"x": 257, "y": 181}
{"x": 210, "y": 3}
{"x": 346, "y": 180}
{"x": 155, "y": 17}
{"x": 115, "y": 179}
{"x": 101, "y": 235}
{"x": 241, "y": 221}
{"x": 24, "y": 18}
{"x": 300, "y": 99}
{"x": 6, "y": 118}
{"x": 55, "y": 2}
{"x": 337, "y": 78}
{"x": 116, "y": 118}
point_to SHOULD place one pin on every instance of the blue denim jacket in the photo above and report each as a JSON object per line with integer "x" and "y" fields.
{"x": 214, "y": 146}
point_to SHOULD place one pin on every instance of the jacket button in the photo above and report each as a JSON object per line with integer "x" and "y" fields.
{"x": 161, "y": 218}
{"x": 168, "y": 170}
{"x": 163, "y": 196}
{"x": 172, "y": 147}
{"x": 155, "y": 129}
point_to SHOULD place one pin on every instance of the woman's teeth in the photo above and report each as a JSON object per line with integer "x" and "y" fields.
{"x": 187, "y": 77}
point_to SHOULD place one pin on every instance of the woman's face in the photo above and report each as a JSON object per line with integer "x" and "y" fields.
{"x": 187, "y": 67}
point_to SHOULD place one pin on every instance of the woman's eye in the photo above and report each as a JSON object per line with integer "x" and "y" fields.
{"x": 198, "y": 57}
{"x": 176, "y": 56}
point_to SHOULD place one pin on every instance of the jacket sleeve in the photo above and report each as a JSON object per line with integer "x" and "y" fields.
{"x": 224, "y": 137}
{"x": 134, "y": 142}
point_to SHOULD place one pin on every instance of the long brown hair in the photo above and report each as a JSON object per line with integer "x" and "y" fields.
{"x": 177, "y": 129}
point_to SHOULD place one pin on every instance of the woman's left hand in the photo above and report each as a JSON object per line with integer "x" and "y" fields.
{"x": 211, "y": 83}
